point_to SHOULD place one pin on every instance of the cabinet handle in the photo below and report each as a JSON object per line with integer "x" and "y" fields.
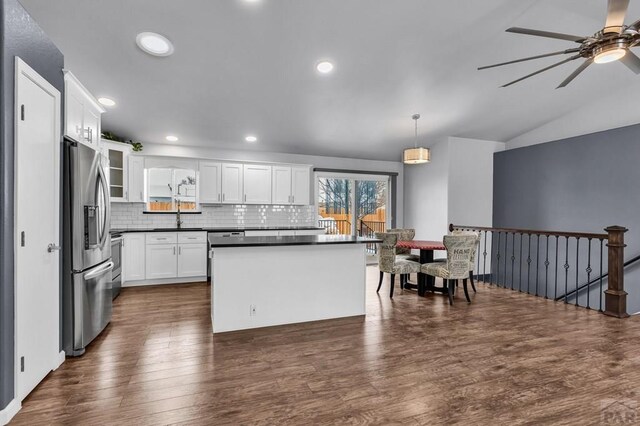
{"x": 218, "y": 196}
{"x": 223, "y": 197}
{"x": 245, "y": 198}
{"x": 293, "y": 199}
{"x": 141, "y": 197}
{"x": 180, "y": 251}
{"x": 174, "y": 250}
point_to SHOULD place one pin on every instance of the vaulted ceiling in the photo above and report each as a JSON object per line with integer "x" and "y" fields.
{"x": 243, "y": 67}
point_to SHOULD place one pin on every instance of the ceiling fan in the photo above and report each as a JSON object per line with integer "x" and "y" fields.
{"x": 611, "y": 43}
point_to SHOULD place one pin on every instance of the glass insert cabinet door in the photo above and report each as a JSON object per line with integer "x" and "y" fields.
{"x": 169, "y": 187}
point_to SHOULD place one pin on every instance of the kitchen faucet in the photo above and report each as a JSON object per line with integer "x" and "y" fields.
{"x": 178, "y": 221}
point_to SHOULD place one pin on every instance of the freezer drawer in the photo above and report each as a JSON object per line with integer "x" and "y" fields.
{"x": 92, "y": 305}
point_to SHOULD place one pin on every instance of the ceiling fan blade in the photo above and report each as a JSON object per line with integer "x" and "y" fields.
{"x": 548, "y": 34}
{"x": 530, "y": 58}
{"x": 542, "y": 70}
{"x": 574, "y": 74}
{"x": 636, "y": 25}
{"x": 616, "y": 10}
{"x": 632, "y": 61}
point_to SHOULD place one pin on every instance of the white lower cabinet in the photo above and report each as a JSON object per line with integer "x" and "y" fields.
{"x": 133, "y": 257}
{"x": 192, "y": 260}
{"x": 157, "y": 257}
{"x": 162, "y": 261}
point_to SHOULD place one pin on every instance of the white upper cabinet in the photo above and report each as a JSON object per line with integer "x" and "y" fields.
{"x": 136, "y": 179}
{"x": 118, "y": 155}
{"x": 257, "y": 184}
{"x": 232, "y": 183}
{"x": 281, "y": 185}
{"x": 291, "y": 185}
{"x": 82, "y": 112}
{"x": 300, "y": 185}
{"x": 210, "y": 182}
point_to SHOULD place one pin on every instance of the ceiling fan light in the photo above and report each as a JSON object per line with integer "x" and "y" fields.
{"x": 416, "y": 156}
{"x": 609, "y": 55}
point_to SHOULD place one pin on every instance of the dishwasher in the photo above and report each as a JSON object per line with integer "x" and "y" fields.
{"x": 219, "y": 234}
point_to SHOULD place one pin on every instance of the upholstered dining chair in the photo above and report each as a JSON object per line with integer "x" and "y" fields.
{"x": 459, "y": 253}
{"x": 473, "y": 257}
{"x": 405, "y": 234}
{"x": 388, "y": 261}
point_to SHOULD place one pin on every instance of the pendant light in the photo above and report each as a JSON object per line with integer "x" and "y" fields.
{"x": 416, "y": 155}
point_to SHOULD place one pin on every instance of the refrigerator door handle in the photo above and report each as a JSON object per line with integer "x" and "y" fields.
{"x": 107, "y": 220}
{"x": 99, "y": 270}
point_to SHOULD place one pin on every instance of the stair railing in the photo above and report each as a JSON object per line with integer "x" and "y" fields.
{"x": 550, "y": 263}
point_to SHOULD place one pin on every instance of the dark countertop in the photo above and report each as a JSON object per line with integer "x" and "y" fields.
{"x": 266, "y": 228}
{"x": 303, "y": 240}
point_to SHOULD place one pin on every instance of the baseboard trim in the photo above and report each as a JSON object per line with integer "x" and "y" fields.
{"x": 59, "y": 360}
{"x": 7, "y": 413}
{"x": 165, "y": 281}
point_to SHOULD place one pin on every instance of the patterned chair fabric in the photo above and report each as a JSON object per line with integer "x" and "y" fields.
{"x": 475, "y": 248}
{"x": 405, "y": 234}
{"x": 460, "y": 250}
{"x": 387, "y": 259}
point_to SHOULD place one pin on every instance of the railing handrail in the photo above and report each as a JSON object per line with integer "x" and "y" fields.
{"x": 531, "y": 232}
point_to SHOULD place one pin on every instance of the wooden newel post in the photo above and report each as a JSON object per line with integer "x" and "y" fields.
{"x": 615, "y": 298}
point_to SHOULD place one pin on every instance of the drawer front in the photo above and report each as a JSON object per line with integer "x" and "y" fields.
{"x": 162, "y": 238}
{"x": 192, "y": 237}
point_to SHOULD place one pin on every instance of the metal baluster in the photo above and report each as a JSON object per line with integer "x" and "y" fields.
{"x": 528, "y": 262}
{"x": 506, "y": 250}
{"x": 589, "y": 276}
{"x": 577, "y": 268}
{"x": 498, "y": 261}
{"x": 537, "y": 260}
{"x": 520, "y": 265}
{"x": 484, "y": 259}
{"x": 555, "y": 291}
{"x": 566, "y": 268}
{"x": 513, "y": 257}
{"x": 600, "y": 303}
{"x": 546, "y": 270}
{"x": 492, "y": 251}
{"x": 478, "y": 256}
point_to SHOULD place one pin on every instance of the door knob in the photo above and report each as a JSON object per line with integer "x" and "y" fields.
{"x": 52, "y": 247}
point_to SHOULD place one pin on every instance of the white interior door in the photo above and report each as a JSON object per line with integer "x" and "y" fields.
{"x": 37, "y": 202}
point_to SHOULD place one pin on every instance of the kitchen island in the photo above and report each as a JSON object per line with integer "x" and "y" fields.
{"x": 267, "y": 281}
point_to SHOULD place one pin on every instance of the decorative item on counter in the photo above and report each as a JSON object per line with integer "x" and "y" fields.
{"x": 110, "y": 136}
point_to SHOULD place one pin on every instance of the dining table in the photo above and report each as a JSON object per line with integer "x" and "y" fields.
{"x": 426, "y": 247}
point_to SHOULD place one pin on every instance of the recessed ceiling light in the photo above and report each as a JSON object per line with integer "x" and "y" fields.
{"x": 107, "y": 102}
{"x": 324, "y": 67}
{"x": 172, "y": 138}
{"x": 251, "y": 138}
{"x": 154, "y": 44}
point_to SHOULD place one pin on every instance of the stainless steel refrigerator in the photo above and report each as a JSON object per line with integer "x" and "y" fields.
{"x": 86, "y": 256}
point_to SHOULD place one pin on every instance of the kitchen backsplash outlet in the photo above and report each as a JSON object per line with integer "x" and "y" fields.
{"x": 127, "y": 215}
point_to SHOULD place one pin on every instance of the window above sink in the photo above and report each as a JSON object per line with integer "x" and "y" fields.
{"x": 169, "y": 188}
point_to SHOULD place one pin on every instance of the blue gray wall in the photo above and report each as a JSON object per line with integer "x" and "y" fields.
{"x": 20, "y": 36}
{"x": 584, "y": 183}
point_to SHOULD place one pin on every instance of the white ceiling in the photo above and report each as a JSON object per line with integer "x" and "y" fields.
{"x": 242, "y": 67}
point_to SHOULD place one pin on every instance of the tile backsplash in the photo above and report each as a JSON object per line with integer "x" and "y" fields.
{"x": 128, "y": 215}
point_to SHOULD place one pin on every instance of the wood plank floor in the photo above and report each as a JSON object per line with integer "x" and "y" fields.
{"x": 507, "y": 358}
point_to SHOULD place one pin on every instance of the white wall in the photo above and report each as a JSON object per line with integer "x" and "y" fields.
{"x": 455, "y": 187}
{"x": 470, "y": 199}
{"x": 316, "y": 161}
{"x": 425, "y": 187}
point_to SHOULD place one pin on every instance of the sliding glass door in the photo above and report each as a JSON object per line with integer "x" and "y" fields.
{"x": 353, "y": 204}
